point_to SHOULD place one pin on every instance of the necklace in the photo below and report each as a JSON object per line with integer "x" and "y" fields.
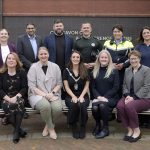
{"x": 76, "y": 80}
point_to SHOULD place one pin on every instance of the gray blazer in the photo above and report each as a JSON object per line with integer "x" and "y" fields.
{"x": 141, "y": 82}
{"x": 46, "y": 83}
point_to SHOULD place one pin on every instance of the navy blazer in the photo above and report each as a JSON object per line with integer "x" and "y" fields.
{"x": 49, "y": 42}
{"x": 25, "y": 50}
{"x": 12, "y": 48}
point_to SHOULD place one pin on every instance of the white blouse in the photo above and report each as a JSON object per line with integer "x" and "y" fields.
{"x": 4, "y": 51}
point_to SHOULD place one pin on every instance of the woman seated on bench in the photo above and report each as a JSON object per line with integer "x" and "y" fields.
{"x": 44, "y": 81}
{"x": 13, "y": 88}
{"x": 76, "y": 82}
{"x": 136, "y": 96}
{"x": 105, "y": 84}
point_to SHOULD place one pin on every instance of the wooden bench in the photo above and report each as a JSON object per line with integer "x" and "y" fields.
{"x": 65, "y": 109}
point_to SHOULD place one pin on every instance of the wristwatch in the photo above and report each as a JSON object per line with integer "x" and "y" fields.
{"x": 54, "y": 92}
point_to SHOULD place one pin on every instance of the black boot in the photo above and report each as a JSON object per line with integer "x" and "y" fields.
{"x": 75, "y": 132}
{"x": 22, "y": 133}
{"x": 103, "y": 133}
{"x": 96, "y": 129}
{"x": 16, "y": 137}
{"x": 82, "y": 132}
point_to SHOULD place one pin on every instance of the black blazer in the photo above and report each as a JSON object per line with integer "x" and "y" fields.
{"x": 25, "y": 50}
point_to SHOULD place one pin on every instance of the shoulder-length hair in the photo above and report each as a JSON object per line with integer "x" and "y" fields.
{"x": 97, "y": 65}
{"x": 141, "y": 39}
{"x": 82, "y": 69}
{"x": 18, "y": 66}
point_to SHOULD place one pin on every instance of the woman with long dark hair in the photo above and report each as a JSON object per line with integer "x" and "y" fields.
{"x": 76, "y": 83}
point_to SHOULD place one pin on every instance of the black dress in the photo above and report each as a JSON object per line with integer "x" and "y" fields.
{"x": 12, "y": 85}
{"x": 77, "y": 111}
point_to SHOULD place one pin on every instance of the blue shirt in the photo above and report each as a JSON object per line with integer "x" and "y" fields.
{"x": 34, "y": 45}
{"x": 145, "y": 52}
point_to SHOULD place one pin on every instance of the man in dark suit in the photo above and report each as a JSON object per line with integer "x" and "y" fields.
{"x": 28, "y": 45}
{"x": 59, "y": 45}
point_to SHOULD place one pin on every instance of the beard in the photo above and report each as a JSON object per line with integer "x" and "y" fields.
{"x": 59, "y": 32}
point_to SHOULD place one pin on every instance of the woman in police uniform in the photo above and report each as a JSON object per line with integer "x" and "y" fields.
{"x": 119, "y": 47}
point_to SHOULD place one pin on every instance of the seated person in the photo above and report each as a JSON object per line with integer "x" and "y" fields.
{"x": 13, "y": 88}
{"x": 76, "y": 83}
{"x": 105, "y": 84}
{"x": 136, "y": 96}
{"x": 44, "y": 81}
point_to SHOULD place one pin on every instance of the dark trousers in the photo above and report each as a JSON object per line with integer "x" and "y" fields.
{"x": 77, "y": 111}
{"x": 15, "y": 116}
{"x": 100, "y": 111}
{"x": 128, "y": 113}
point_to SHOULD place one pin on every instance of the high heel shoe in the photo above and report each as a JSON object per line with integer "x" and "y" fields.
{"x": 16, "y": 138}
{"x": 45, "y": 131}
{"x": 52, "y": 134}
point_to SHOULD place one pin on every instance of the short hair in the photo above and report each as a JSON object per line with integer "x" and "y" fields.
{"x": 30, "y": 24}
{"x": 86, "y": 23}
{"x": 118, "y": 26}
{"x": 58, "y": 21}
{"x": 135, "y": 53}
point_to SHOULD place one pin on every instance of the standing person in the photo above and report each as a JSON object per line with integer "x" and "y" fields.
{"x": 144, "y": 48}
{"x": 87, "y": 45}
{"x": 28, "y": 45}
{"x": 44, "y": 81}
{"x": 76, "y": 83}
{"x": 105, "y": 85}
{"x": 13, "y": 88}
{"x": 119, "y": 47}
{"x": 89, "y": 48}
{"x": 5, "y": 48}
{"x": 136, "y": 96}
{"x": 59, "y": 45}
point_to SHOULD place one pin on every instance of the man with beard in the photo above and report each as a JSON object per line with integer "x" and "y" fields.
{"x": 59, "y": 45}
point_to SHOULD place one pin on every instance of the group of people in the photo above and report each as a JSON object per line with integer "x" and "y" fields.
{"x": 113, "y": 75}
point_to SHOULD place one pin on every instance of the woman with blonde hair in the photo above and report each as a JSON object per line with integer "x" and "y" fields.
{"x": 105, "y": 84}
{"x": 44, "y": 81}
{"x": 13, "y": 88}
